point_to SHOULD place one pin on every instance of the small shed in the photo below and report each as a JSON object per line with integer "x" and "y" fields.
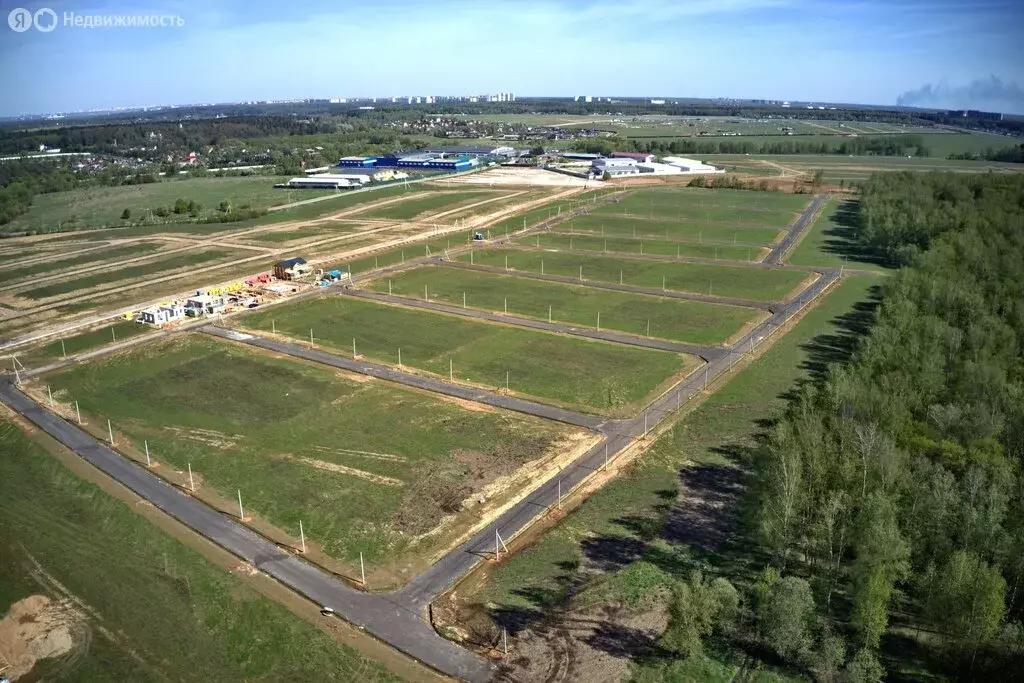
{"x": 291, "y": 269}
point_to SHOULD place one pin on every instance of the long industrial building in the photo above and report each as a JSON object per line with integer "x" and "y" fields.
{"x": 426, "y": 160}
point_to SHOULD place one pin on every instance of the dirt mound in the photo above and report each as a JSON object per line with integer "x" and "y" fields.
{"x": 37, "y": 628}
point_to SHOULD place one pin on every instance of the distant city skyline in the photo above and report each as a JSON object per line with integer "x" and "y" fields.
{"x": 945, "y": 54}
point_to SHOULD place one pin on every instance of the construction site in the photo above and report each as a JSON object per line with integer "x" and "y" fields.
{"x": 373, "y": 404}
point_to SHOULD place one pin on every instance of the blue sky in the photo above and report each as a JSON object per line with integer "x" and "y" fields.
{"x": 867, "y": 51}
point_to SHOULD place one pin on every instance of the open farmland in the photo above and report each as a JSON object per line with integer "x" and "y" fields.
{"x": 591, "y": 376}
{"x": 695, "y": 230}
{"x": 365, "y": 465}
{"x": 640, "y": 246}
{"x": 70, "y": 553}
{"x": 699, "y": 278}
{"x": 687, "y": 321}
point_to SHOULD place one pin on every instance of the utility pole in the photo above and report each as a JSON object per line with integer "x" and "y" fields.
{"x": 148, "y": 463}
{"x": 273, "y": 327}
{"x": 311, "y": 337}
{"x": 599, "y": 321}
{"x": 192, "y": 483}
{"x": 399, "y": 356}
{"x": 362, "y": 569}
{"x": 63, "y": 351}
{"x": 463, "y": 299}
{"x": 302, "y": 537}
{"x": 451, "y": 371}
{"x": 559, "y": 493}
{"x": 110, "y": 433}
{"x": 606, "y": 456}
{"x": 78, "y": 412}
{"x": 353, "y": 347}
{"x": 241, "y": 512}
{"x": 50, "y": 393}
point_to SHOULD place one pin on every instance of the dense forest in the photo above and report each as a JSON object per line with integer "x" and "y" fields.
{"x": 890, "y": 497}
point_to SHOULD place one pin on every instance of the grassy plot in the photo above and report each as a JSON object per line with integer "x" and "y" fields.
{"x": 636, "y": 519}
{"x": 764, "y": 209}
{"x": 390, "y": 257}
{"x": 51, "y": 351}
{"x": 732, "y": 281}
{"x": 434, "y": 202}
{"x": 66, "y": 538}
{"x": 316, "y": 230}
{"x": 609, "y": 225}
{"x": 155, "y": 268}
{"x": 690, "y": 321}
{"x": 590, "y": 376}
{"x": 640, "y": 246}
{"x": 99, "y": 206}
{"x": 366, "y": 466}
{"x": 124, "y": 252}
{"x": 832, "y": 240}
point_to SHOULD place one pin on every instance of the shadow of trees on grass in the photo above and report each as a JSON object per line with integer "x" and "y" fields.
{"x": 703, "y": 524}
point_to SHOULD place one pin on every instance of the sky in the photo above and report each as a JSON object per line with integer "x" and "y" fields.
{"x": 930, "y": 53}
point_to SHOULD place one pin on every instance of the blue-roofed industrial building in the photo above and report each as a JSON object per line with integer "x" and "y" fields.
{"x": 425, "y": 160}
{"x": 363, "y": 162}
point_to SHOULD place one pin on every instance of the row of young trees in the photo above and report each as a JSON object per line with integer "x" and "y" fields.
{"x": 894, "y": 486}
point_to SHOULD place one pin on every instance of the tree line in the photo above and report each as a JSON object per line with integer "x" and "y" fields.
{"x": 894, "y": 485}
{"x": 881, "y": 145}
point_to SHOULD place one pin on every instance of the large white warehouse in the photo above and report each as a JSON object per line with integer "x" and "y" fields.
{"x": 686, "y": 165}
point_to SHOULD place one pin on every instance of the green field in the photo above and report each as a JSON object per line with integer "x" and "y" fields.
{"x": 639, "y": 246}
{"x": 699, "y": 278}
{"x": 636, "y": 513}
{"x": 125, "y": 252}
{"x": 102, "y": 206}
{"x": 318, "y": 230}
{"x": 52, "y": 351}
{"x": 591, "y": 376}
{"x": 696, "y": 231}
{"x": 741, "y": 208}
{"x": 155, "y": 268}
{"x": 411, "y": 208}
{"x": 390, "y": 257}
{"x": 352, "y": 460}
{"x": 185, "y": 618}
{"x": 690, "y": 321}
{"x": 831, "y": 241}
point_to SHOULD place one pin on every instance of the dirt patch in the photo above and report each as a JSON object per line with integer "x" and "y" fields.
{"x": 468, "y": 405}
{"x": 351, "y": 471}
{"x": 386, "y": 457}
{"x": 207, "y": 437}
{"x": 521, "y": 176}
{"x": 38, "y": 628}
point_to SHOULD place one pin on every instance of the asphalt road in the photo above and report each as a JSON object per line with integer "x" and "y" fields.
{"x": 796, "y": 231}
{"x": 704, "y": 352}
{"x": 381, "y": 615}
{"x": 398, "y": 617}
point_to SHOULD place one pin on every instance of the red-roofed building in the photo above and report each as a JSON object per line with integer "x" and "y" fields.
{"x": 639, "y": 156}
